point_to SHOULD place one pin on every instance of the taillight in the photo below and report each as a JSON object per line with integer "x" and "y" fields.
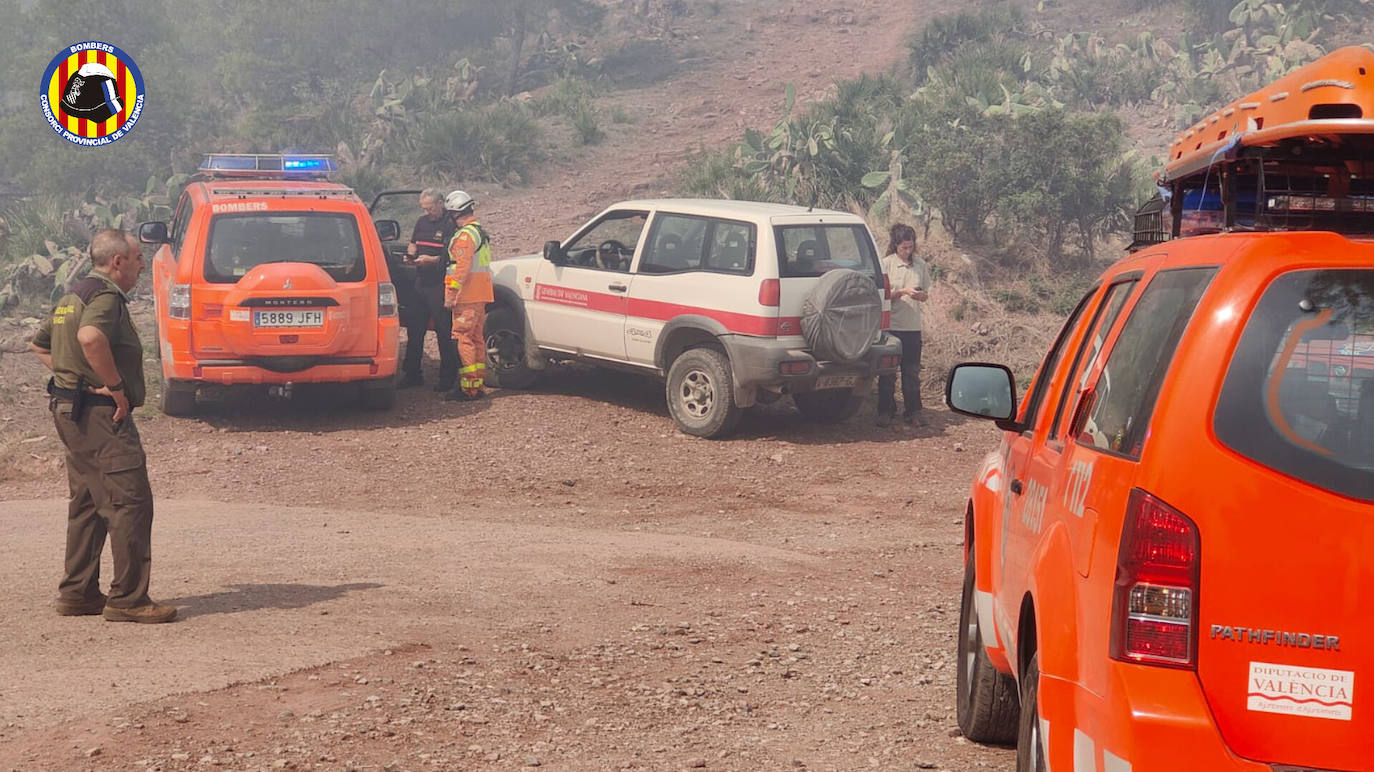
{"x": 887, "y": 288}
{"x": 386, "y": 299}
{"x": 795, "y": 367}
{"x": 179, "y": 302}
{"x": 770, "y": 293}
{"x": 1154, "y": 604}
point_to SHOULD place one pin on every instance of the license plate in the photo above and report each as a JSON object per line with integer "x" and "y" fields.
{"x": 836, "y": 381}
{"x": 301, "y": 318}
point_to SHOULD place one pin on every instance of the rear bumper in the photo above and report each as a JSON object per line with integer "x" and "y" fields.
{"x": 757, "y": 362}
{"x": 265, "y": 370}
{"x": 1154, "y": 719}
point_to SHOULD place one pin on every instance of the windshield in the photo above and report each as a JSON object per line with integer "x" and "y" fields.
{"x": 811, "y": 250}
{"x": 1299, "y": 394}
{"x": 240, "y": 242}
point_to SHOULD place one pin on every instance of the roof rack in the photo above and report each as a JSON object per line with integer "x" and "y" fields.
{"x": 266, "y": 166}
{"x": 1297, "y": 154}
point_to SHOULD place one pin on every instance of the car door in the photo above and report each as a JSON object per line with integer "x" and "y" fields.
{"x": 1027, "y": 494}
{"x": 580, "y": 302}
{"x": 693, "y": 266}
{"x": 1061, "y": 476}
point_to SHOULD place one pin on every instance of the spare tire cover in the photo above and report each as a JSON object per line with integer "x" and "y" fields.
{"x": 841, "y": 316}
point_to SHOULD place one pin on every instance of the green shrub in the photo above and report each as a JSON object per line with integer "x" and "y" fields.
{"x": 588, "y": 130}
{"x": 33, "y": 223}
{"x": 948, "y": 35}
{"x": 495, "y": 144}
{"x": 718, "y": 174}
{"x": 568, "y": 97}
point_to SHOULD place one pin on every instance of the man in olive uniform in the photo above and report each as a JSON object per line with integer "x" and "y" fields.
{"x": 93, "y": 350}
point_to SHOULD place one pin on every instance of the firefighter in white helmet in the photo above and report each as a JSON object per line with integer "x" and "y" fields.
{"x": 467, "y": 291}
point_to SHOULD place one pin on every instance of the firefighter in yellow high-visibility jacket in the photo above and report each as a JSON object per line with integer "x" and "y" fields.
{"x": 467, "y": 291}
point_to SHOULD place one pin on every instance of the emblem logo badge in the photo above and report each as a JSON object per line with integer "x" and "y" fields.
{"x": 286, "y": 284}
{"x": 91, "y": 93}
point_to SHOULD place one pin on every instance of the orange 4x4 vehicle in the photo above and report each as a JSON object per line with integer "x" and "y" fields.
{"x": 1169, "y": 561}
{"x": 271, "y": 275}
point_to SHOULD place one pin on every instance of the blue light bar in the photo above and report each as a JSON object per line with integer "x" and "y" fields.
{"x": 308, "y": 164}
{"x": 268, "y": 165}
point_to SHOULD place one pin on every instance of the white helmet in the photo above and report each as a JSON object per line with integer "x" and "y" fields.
{"x": 458, "y": 201}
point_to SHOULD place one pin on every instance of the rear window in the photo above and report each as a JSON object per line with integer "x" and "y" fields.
{"x": 811, "y": 250}
{"x": 1299, "y": 391}
{"x": 240, "y": 242}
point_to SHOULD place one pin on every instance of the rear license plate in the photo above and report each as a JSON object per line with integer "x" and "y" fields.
{"x": 836, "y": 381}
{"x": 300, "y": 318}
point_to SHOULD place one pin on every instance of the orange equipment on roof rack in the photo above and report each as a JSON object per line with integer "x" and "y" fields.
{"x": 1331, "y": 96}
{"x": 1297, "y": 154}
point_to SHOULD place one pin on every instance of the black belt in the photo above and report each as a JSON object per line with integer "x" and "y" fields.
{"x": 80, "y": 399}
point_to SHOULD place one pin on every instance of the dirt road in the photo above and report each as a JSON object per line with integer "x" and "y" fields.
{"x": 616, "y": 595}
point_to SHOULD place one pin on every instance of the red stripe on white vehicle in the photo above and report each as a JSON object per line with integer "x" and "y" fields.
{"x": 657, "y": 310}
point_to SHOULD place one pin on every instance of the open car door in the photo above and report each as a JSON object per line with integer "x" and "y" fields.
{"x": 402, "y": 206}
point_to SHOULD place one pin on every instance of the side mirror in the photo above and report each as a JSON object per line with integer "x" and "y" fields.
{"x": 153, "y": 233}
{"x": 983, "y": 391}
{"x": 388, "y": 230}
{"x": 553, "y": 252}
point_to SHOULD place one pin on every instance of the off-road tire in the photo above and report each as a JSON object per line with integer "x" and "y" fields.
{"x": 178, "y": 398}
{"x": 987, "y": 703}
{"x": 828, "y": 406}
{"x": 504, "y": 334}
{"x": 378, "y": 397}
{"x": 701, "y": 394}
{"x": 1030, "y": 755}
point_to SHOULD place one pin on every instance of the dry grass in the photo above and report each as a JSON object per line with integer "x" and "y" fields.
{"x": 963, "y": 321}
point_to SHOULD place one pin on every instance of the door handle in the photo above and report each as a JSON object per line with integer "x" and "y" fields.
{"x": 617, "y": 287}
{"x": 1016, "y": 486}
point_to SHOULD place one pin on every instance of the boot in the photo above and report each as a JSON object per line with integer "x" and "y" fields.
{"x": 148, "y": 613}
{"x": 81, "y": 608}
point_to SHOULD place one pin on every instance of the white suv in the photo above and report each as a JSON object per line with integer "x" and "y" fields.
{"x": 732, "y": 302}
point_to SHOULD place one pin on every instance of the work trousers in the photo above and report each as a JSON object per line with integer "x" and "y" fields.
{"x": 911, "y": 378}
{"x": 469, "y": 319}
{"x": 430, "y": 306}
{"x": 107, "y": 473}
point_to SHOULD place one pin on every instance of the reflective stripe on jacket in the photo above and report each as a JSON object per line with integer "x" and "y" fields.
{"x": 468, "y": 279}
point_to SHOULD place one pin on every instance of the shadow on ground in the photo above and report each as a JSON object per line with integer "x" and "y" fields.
{"x": 254, "y": 597}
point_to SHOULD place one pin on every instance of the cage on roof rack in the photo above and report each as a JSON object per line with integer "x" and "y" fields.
{"x": 1149, "y": 224}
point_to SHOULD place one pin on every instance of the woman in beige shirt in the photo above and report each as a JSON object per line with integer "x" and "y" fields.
{"x": 908, "y": 276}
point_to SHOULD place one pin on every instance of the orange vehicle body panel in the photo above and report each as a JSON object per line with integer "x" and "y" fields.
{"x": 1284, "y": 109}
{"x": 1278, "y": 554}
{"x": 220, "y": 341}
